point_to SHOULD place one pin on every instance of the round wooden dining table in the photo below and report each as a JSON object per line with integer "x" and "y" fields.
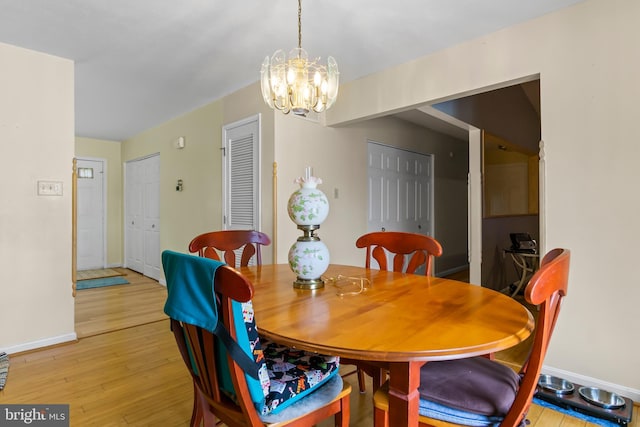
{"x": 404, "y": 320}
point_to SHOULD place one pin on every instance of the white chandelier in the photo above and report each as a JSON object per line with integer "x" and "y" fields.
{"x": 297, "y": 84}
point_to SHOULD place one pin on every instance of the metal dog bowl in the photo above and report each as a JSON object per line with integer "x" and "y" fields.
{"x": 604, "y": 399}
{"x": 555, "y": 385}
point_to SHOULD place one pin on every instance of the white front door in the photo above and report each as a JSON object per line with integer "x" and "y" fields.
{"x": 91, "y": 214}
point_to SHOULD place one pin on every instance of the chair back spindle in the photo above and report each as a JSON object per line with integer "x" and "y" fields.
{"x": 419, "y": 249}
{"x": 227, "y": 243}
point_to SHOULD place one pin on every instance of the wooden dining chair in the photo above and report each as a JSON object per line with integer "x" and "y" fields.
{"x": 409, "y": 251}
{"x": 227, "y": 243}
{"x": 482, "y": 392}
{"x": 238, "y": 378}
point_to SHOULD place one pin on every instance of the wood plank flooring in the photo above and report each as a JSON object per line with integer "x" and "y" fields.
{"x": 109, "y": 308}
{"x": 125, "y": 370}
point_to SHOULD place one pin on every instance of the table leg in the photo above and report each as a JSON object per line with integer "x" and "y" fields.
{"x": 404, "y": 379}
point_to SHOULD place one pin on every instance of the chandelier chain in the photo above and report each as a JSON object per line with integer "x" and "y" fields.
{"x": 300, "y": 23}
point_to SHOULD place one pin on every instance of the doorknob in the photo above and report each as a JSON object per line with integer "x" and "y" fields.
{"x": 384, "y": 229}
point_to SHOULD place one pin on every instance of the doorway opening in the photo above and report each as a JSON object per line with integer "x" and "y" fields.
{"x": 511, "y": 114}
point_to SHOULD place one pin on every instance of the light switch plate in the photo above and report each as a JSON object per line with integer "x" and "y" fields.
{"x": 49, "y": 188}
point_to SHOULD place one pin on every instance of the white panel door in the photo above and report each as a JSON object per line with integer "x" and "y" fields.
{"x": 415, "y": 195}
{"x": 151, "y": 208}
{"x": 400, "y": 190}
{"x": 142, "y": 216}
{"x": 91, "y": 213}
{"x": 134, "y": 216}
{"x": 384, "y": 187}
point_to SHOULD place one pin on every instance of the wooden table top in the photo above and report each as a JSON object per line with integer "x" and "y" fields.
{"x": 397, "y": 317}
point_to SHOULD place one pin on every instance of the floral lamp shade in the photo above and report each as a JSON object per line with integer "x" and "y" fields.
{"x": 308, "y": 207}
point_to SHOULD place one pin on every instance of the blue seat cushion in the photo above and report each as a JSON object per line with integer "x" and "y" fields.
{"x": 476, "y": 390}
{"x": 437, "y": 411}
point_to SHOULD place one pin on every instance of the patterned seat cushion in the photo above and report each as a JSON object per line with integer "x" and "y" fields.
{"x": 294, "y": 373}
{"x": 285, "y": 375}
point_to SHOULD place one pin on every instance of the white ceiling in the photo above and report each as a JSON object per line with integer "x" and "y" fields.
{"x": 139, "y": 63}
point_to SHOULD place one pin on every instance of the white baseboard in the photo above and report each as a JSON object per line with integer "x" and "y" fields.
{"x": 631, "y": 393}
{"x": 41, "y": 343}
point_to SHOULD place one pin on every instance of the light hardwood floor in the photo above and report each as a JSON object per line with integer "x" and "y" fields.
{"x": 112, "y": 308}
{"x": 125, "y": 370}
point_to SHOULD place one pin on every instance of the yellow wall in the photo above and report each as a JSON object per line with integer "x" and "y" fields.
{"x": 36, "y": 143}
{"x": 110, "y": 152}
{"x": 198, "y": 207}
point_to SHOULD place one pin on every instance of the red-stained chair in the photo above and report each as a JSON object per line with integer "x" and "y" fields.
{"x": 234, "y": 373}
{"x": 478, "y": 391}
{"x": 410, "y": 251}
{"x": 223, "y": 245}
